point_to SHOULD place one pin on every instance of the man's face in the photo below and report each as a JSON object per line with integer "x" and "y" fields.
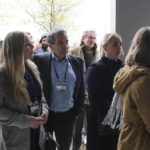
{"x": 89, "y": 40}
{"x": 60, "y": 47}
{"x": 44, "y": 43}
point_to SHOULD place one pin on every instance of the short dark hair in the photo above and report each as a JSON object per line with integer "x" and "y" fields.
{"x": 42, "y": 38}
{"x": 51, "y": 35}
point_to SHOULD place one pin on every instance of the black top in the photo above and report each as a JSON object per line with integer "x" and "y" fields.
{"x": 33, "y": 87}
{"x": 88, "y": 57}
{"x": 34, "y": 91}
{"x": 100, "y": 77}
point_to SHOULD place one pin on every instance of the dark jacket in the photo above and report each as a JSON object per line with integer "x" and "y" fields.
{"x": 43, "y": 61}
{"x": 100, "y": 77}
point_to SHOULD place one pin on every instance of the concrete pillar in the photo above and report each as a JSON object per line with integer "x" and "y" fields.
{"x": 131, "y": 15}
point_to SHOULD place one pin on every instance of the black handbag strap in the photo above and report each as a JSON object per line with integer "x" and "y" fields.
{"x": 50, "y": 137}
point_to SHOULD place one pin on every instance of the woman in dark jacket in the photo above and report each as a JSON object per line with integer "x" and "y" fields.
{"x": 100, "y": 77}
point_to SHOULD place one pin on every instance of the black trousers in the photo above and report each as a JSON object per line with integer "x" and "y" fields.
{"x": 96, "y": 141}
{"x": 34, "y": 139}
{"x": 80, "y": 122}
{"x": 77, "y": 131}
{"x": 61, "y": 124}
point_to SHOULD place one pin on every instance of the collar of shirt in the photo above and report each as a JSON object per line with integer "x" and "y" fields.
{"x": 55, "y": 58}
{"x": 62, "y": 101}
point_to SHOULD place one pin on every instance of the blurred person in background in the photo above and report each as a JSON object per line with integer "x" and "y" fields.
{"x": 42, "y": 46}
{"x": 87, "y": 50}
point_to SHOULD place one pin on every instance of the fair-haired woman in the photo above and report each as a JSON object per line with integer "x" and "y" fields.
{"x": 133, "y": 82}
{"x": 23, "y": 109}
{"x": 100, "y": 77}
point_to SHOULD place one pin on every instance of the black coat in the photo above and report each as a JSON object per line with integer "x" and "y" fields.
{"x": 43, "y": 61}
{"x": 100, "y": 77}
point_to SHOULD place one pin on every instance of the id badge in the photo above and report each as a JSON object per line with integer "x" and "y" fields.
{"x": 35, "y": 109}
{"x": 61, "y": 87}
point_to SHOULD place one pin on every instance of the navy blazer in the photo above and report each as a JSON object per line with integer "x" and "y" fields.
{"x": 43, "y": 62}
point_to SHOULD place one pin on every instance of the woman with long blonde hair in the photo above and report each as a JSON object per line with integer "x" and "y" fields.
{"x": 23, "y": 109}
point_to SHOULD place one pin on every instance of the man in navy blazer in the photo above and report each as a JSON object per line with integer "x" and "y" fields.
{"x": 63, "y": 86}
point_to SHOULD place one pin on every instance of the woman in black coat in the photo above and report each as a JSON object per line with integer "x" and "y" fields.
{"x": 100, "y": 77}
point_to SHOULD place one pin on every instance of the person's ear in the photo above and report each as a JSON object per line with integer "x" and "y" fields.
{"x": 105, "y": 47}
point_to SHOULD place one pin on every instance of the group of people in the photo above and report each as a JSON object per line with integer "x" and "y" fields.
{"x": 62, "y": 90}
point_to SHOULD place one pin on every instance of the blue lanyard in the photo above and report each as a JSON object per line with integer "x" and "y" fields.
{"x": 57, "y": 76}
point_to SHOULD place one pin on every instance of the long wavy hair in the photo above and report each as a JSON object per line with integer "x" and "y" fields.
{"x": 12, "y": 62}
{"x": 139, "y": 51}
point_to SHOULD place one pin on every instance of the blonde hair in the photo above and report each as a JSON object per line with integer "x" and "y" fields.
{"x": 139, "y": 52}
{"x": 12, "y": 61}
{"x": 106, "y": 40}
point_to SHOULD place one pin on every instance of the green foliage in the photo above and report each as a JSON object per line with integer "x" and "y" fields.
{"x": 49, "y": 14}
{"x": 37, "y": 16}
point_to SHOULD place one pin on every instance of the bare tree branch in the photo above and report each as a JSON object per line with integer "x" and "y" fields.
{"x": 52, "y": 13}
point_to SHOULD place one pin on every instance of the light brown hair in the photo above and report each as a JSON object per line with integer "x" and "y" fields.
{"x": 139, "y": 52}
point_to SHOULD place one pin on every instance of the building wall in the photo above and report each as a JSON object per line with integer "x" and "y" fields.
{"x": 131, "y": 15}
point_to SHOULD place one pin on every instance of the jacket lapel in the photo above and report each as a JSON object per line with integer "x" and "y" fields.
{"x": 47, "y": 76}
{"x": 75, "y": 69}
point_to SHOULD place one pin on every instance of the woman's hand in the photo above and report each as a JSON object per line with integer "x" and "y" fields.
{"x": 44, "y": 116}
{"x": 35, "y": 122}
